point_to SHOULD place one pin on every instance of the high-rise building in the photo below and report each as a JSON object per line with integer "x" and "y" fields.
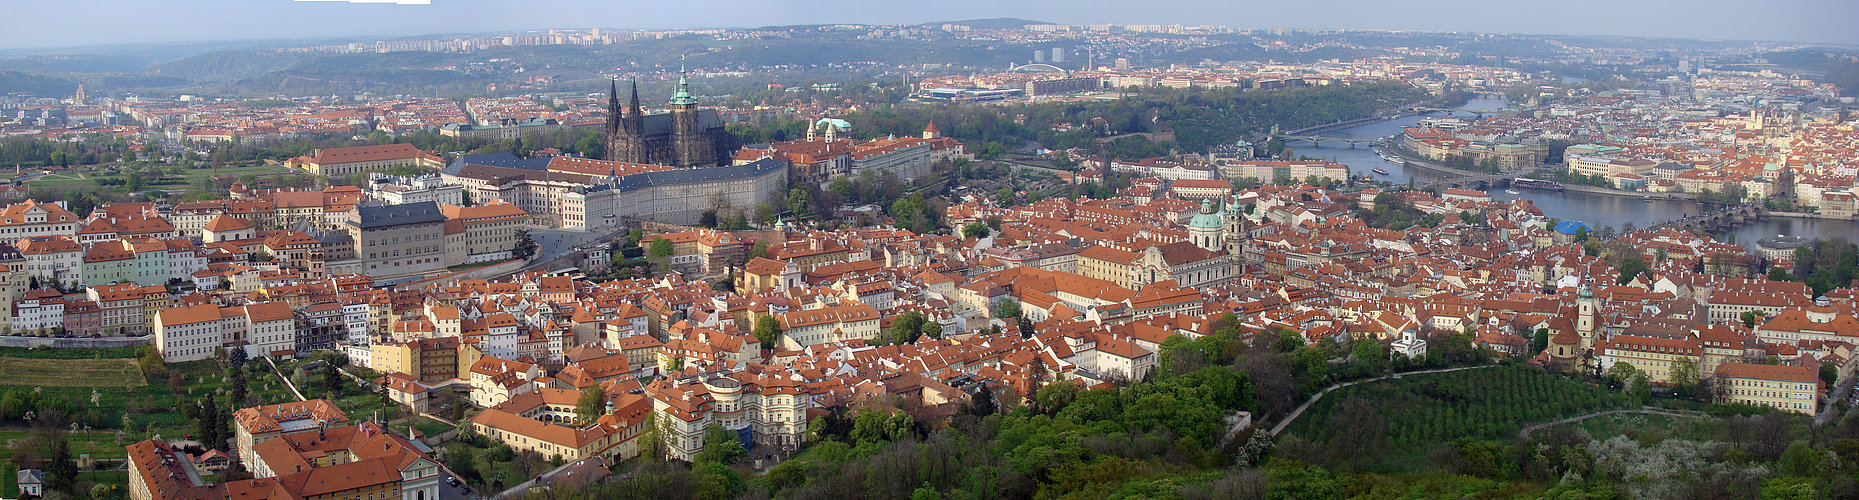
{"x": 1039, "y": 56}
{"x": 1058, "y": 55}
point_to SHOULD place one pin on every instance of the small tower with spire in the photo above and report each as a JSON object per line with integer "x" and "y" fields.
{"x": 1587, "y": 315}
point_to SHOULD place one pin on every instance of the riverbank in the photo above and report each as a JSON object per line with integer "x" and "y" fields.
{"x": 1582, "y": 188}
{"x": 1422, "y": 163}
{"x": 1802, "y": 215}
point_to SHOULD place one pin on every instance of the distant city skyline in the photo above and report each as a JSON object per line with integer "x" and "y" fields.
{"x": 48, "y": 24}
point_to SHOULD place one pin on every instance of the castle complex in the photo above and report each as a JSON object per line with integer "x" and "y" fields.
{"x": 685, "y": 137}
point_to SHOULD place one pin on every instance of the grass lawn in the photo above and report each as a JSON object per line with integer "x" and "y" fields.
{"x": 68, "y": 352}
{"x": 96, "y": 443}
{"x": 425, "y": 425}
{"x": 111, "y": 373}
{"x": 71, "y": 180}
{"x": 1644, "y": 428}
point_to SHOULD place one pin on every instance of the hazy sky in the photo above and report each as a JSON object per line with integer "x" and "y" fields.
{"x": 62, "y": 23}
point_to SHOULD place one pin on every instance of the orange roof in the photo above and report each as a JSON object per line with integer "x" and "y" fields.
{"x": 493, "y": 209}
{"x": 188, "y": 315}
{"x": 223, "y": 222}
{"x": 1767, "y": 372}
{"x": 366, "y": 153}
{"x": 268, "y": 311}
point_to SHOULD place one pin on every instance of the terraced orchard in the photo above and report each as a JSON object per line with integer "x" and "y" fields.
{"x": 1418, "y": 412}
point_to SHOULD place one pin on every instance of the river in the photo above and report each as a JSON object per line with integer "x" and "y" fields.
{"x": 1596, "y": 210}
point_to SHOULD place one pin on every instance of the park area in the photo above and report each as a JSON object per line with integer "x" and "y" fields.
{"x": 113, "y": 178}
{"x": 107, "y": 397}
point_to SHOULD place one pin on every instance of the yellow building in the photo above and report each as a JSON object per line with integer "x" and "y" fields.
{"x": 1788, "y": 388}
{"x": 1654, "y": 357}
{"x": 1108, "y": 264}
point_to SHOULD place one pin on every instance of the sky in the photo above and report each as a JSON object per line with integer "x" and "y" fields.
{"x": 68, "y": 23}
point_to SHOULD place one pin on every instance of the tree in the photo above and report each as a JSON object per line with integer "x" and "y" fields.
{"x": 659, "y": 248}
{"x": 1641, "y": 388}
{"x": 651, "y": 440}
{"x": 1685, "y": 375}
{"x": 1750, "y": 318}
{"x": 720, "y": 447}
{"x": 765, "y": 214}
{"x": 759, "y": 250}
{"x": 1622, "y": 372}
{"x": 708, "y": 218}
{"x": 975, "y": 230}
{"x": 591, "y": 405}
{"x": 525, "y": 247}
{"x": 1007, "y": 308}
{"x": 332, "y": 379}
{"x": 768, "y": 331}
{"x": 798, "y": 201}
{"x": 60, "y": 470}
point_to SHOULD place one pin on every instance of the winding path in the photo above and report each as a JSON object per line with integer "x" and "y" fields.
{"x": 1644, "y": 410}
{"x": 1313, "y": 399}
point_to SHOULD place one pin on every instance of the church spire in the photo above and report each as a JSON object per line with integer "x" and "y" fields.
{"x": 634, "y": 112}
{"x": 613, "y": 104}
{"x": 683, "y": 96}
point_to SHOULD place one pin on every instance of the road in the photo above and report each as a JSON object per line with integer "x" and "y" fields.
{"x": 1313, "y": 399}
{"x": 1842, "y": 387}
{"x": 567, "y": 472}
{"x": 1644, "y": 410}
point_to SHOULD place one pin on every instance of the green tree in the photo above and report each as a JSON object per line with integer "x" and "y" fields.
{"x": 1800, "y": 459}
{"x": 1686, "y": 375}
{"x": 798, "y": 202}
{"x": 768, "y": 331}
{"x": 591, "y": 405}
{"x": 660, "y": 248}
{"x": 332, "y": 379}
{"x": 1641, "y": 389}
{"x": 765, "y": 214}
{"x": 524, "y": 247}
{"x": 1751, "y": 318}
{"x": 975, "y": 230}
{"x": 60, "y": 469}
{"x": 651, "y": 440}
{"x": 720, "y": 447}
{"x": 9, "y": 476}
{"x": 1007, "y": 308}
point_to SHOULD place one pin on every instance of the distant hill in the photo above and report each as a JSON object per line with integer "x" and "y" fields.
{"x": 225, "y": 65}
{"x": 75, "y": 63}
{"x": 15, "y": 81}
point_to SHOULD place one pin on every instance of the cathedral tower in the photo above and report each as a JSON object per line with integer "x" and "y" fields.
{"x": 690, "y": 146}
{"x": 625, "y": 128}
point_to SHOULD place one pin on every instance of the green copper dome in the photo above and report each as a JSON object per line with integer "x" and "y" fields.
{"x": 683, "y": 96}
{"x": 1206, "y": 219}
